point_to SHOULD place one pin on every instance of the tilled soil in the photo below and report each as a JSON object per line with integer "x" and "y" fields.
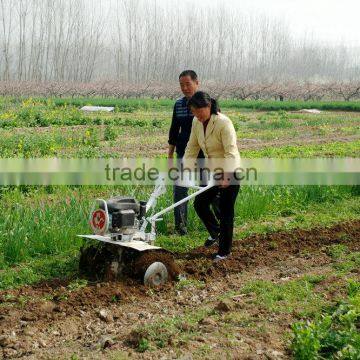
{"x": 55, "y": 320}
{"x": 269, "y": 248}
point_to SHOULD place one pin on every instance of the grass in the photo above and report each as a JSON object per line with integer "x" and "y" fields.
{"x": 273, "y": 121}
{"x": 175, "y": 330}
{"x": 237, "y": 104}
{"x": 288, "y": 297}
{"x": 64, "y": 265}
{"x": 344, "y": 261}
{"x": 325, "y": 119}
{"x": 292, "y": 105}
{"x": 189, "y": 283}
{"x": 37, "y": 227}
{"x": 331, "y": 149}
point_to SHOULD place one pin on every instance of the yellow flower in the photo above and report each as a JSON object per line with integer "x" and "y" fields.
{"x": 28, "y": 102}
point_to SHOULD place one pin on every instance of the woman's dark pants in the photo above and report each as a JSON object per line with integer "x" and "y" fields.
{"x": 223, "y": 228}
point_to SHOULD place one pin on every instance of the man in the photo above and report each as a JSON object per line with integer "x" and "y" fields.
{"x": 179, "y": 135}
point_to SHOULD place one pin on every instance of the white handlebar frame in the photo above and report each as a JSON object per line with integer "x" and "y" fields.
{"x": 160, "y": 190}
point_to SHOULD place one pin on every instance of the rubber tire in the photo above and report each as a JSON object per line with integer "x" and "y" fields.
{"x": 156, "y": 274}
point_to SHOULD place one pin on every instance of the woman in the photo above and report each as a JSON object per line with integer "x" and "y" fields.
{"x": 214, "y": 134}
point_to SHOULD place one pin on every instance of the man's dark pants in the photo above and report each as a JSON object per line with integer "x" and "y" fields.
{"x": 180, "y": 212}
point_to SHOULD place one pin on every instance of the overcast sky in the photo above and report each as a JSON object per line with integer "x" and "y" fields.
{"x": 330, "y": 20}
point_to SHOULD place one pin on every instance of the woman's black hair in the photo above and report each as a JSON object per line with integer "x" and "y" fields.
{"x": 202, "y": 99}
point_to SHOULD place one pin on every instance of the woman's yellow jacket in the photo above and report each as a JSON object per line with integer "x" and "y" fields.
{"x": 219, "y": 144}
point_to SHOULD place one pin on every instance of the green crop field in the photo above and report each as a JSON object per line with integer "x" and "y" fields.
{"x": 39, "y": 225}
{"x": 57, "y": 128}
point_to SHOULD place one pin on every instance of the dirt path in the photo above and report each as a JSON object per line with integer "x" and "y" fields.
{"x": 254, "y": 144}
{"x": 192, "y": 318}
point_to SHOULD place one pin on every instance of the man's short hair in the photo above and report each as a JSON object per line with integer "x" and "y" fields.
{"x": 190, "y": 73}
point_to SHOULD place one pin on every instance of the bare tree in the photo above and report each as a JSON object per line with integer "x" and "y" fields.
{"x": 6, "y": 17}
{"x": 143, "y": 41}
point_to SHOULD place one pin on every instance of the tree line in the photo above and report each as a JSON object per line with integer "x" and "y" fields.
{"x": 141, "y": 41}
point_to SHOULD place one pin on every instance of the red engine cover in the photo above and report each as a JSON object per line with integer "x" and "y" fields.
{"x": 99, "y": 222}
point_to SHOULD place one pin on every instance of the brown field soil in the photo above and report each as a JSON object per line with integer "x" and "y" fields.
{"x": 299, "y": 141}
{"x": 99, "y": 320}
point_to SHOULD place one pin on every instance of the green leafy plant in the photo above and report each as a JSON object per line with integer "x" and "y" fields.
{"x": 333, "y": 335}
{"x": 110, "y": 133}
